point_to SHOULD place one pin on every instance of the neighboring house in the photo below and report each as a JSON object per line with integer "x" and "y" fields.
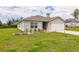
{"x": 41, "y": 23}
{"x": 71, "y": 22}
{"x": 77, "y": 22}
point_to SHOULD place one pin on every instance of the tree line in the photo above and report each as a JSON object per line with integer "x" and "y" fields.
{"x": 11, "y": 23}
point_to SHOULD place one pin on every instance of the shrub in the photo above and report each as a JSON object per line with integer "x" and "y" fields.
{"x": 39, "y": 30}
{"x": 8, "y": 26}
{"x": 35, "y": 30}
{"x": 66, "y": 26}
{"x": 30, "y": 30}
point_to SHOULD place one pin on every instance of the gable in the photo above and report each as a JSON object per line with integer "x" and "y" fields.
{"x": 58, "y": 21}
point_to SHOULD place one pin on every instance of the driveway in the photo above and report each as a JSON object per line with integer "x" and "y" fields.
{"x": 70, "y": 32}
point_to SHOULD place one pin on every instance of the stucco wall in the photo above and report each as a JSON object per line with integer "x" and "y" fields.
{"x": 27, "y": 25}
{"x": 21, "y": 26}
{"x": 56, "y": 25}
{"x": 77, "y": 24}
{"x": 40, "y": 25}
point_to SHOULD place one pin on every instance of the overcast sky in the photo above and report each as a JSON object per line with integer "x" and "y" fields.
{"x": 26, "y": 11}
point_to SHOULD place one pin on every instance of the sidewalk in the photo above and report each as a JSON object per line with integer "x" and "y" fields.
{"x": 70, "y": 32}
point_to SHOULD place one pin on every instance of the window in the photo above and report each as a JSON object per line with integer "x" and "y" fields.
{"x": 33, "y": 24}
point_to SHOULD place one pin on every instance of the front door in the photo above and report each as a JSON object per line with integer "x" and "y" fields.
{"x": 45, "y": 25}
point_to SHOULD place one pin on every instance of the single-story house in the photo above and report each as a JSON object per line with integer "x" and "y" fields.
{"x": 71, "y": 22}
{"x": 41, "y": 23}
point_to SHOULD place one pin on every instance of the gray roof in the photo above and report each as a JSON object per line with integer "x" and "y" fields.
{"x": 57, "y": 17}
{"x": 36, "y": 18}
{"x": 71, "y": 20}
{"x": 41, "y": 18}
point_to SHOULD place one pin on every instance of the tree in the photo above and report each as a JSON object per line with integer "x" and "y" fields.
{"x": 21, "y": 18}
{"x": 12, "y": 22}
{"x": 0, "y": 23}
{"x": 12, "y": 19}
{"x": 76, "y": 13}
{"x": 9, "y": 22}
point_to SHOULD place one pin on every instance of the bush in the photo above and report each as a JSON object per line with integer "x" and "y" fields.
{"x": 66, "y": 26}
{"x": 39, "y": 30}
{"x": 6, "y": 26}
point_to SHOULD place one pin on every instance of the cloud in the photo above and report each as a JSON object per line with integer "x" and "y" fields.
{"x": 64, "y": 11}
{"x": 26, "y": 11}
{"x": 21, "y": 11}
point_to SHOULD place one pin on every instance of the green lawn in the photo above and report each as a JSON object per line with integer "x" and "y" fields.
{"x": 37, "y": 42}
{"x": 75, "y": 28}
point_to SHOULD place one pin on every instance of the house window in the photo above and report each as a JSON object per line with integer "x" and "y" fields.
{"x": 33, "y": 24}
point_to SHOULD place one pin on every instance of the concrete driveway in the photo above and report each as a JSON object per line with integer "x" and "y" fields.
{"x": 70, "y": 32}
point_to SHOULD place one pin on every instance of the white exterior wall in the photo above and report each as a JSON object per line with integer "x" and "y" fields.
{"x": 21, "y": 26}
{"x": 40, "y": 25}
{"x": 56, "y": 25}
{"x": 49, "y": 27}
{"x": 77, "y": 24}
{"x": 27, "y": 25}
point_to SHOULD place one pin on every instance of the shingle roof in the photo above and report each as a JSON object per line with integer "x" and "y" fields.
{"x": 57, "y": 17}
{"x": 70, "y": 20}
{"x": 36, "y": 18}
{"x": 41, "y": 18}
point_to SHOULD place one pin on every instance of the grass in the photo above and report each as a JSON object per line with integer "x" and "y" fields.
{"x": 11, "y": 50}
{"x": 39, "y": 42}
{"x": 75, "y": 28}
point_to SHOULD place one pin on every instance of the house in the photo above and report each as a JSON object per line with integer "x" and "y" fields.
{"x": 41, "y": 23}
{"x": 71, "y": 22}
{"x": 77, "y": 23}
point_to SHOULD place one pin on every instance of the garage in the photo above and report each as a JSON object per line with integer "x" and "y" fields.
{"x": 56, "y": 27}
{"x": 56, "y": 24}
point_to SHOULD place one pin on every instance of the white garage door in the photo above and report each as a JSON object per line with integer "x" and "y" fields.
{"x": 57, "y": 27}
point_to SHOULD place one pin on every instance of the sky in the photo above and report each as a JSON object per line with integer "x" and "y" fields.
{"x": 6, "y": 12}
